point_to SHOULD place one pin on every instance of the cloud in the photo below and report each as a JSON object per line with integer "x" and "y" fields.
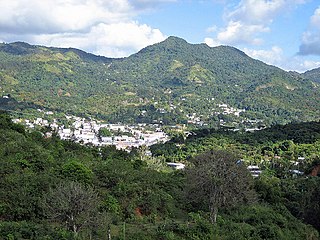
{"x": 308, "y": 64}
{"x": 251, "y": 18}
{"x": 211, "y": 42}
{"x": 45, "y": 16}
{"x": 311, "y": 38}
{"x": 300, "y": 64}
{"x": 315, "y": 19}
{"x": 101, "y": 27}
{"x": 274, "y": 56}
{"x": 148, "y": 4}
{"x": 256, "y": 11}
{"x": 238, "y": 33}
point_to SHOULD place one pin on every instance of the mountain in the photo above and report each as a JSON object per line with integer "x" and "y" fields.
{"x": 170, "y": 82}
{"x": 313, "y": 75}
{"x": 22, "y": 48}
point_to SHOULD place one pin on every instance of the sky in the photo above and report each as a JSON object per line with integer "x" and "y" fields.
{"x": 284, "y": 33}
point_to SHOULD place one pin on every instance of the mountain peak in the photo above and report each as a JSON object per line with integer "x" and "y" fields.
{"x": 175, "y": 40}
{"x": 180, "y": 49}
{"x": 172, "y": 43}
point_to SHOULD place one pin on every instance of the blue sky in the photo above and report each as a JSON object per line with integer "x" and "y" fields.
{"x": 285, "y": 33}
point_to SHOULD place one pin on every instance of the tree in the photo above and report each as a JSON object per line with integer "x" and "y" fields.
{"x": 72, "y": 204}
{"x": 217, "y": 180}
{"x": 105, "y": 132}
{"x": 76, "y": 171}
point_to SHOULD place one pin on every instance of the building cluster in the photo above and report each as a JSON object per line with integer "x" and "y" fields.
{"x": 86, "y": 131}
{"x": 194, "y": 119}
{"x": 229, "y": 110}
{"x": 224, "y": 109}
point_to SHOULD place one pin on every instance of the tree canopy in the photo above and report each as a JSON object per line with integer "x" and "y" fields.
{"x": 55, "y": 189}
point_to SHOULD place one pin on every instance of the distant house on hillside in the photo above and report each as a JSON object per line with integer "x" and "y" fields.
{"x": 296, "y": 172}
{"x": 254, "y": 170}
{"x": 176, "y": 166}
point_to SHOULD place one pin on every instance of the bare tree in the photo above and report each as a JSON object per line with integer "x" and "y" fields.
{"x": 73, "y": 205}
{"x": 217, "y": 180}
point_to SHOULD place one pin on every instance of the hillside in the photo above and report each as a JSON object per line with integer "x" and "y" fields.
{"x": 169, "y": 82}
{"x": 313, "y": 75}
{"x": 55, "y": 189}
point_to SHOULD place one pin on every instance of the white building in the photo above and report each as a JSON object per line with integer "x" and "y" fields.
{"x": 254, "y": 170}
{"x": 176, "y": 166}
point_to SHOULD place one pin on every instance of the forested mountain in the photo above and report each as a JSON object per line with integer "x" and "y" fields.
{"x": 44, "y": 180}
{"x": 166, "y": 82}
{"x": 313, "y": 75}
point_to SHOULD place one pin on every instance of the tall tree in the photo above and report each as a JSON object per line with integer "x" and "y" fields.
{"x": 216, "y": 179}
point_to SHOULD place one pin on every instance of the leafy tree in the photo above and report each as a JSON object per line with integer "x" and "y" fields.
{"x": 5, "y": 120}
{"x": 302, "y": 198}
{"x": 76, "y": 171}
{"x": 105, "y": 132}
{"x": 269, "y": 189}
{"x": 217, "y": 180}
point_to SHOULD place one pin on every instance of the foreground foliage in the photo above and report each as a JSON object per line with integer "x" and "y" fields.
{"x": 45, "y": 182}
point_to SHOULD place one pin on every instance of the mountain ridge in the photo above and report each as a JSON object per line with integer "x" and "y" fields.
{"x": 23, "y": 48}
{"x": 102, "y": 58}
{"x": 313, "y": 74}
{"x": 169, "y": 80}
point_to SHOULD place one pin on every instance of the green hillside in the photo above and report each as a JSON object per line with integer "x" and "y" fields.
{"x": 169, "y": 82}
{"x": 55, "y": 189}
{"x": 313, "y": 75}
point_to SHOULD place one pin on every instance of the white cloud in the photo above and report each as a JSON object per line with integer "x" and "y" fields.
{"x": 274, "y": 56}
{"x": 256, "y": 11}
{"x": 237, "y": 33}
{"x": 211, "y": 42}
{"x": 311, "y": 38}
{"x": 250, "y": 19}
{"x": 307, "y": 64}
{"x": 125, "y": 38}
{"x": 315, "y": 19}
{"x": 45, "y": 16}
{"x": 98, "y": 26}
{"x": 300, "y": 64}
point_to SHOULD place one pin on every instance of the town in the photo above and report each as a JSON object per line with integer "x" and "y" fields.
{"x": 97, "y": 133}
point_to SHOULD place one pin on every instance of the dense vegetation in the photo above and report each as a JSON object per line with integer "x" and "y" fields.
{"x": 313, "y": 75}
{"x": 54, "y": 189}
{"x": 164, "y": 83}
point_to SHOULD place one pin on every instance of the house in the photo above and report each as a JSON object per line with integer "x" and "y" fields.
{"x": 296, "y": 172}
{"x": 176, "y": 166}
{"x": 254, "y": 170}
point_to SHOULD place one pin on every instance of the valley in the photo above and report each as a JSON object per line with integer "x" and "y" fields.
{"x": 177, "y": 141}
